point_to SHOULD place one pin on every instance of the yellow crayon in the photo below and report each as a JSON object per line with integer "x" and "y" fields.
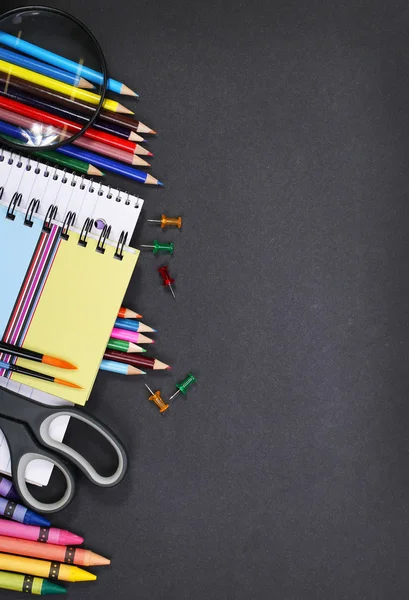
{"x": 44, "y": 568}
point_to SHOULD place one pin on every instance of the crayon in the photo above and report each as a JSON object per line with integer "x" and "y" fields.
{"x": 62, "y": 554}
{"x": 50, "y": 535}
{"x": 7, "y": 489}
{"x": 29, "y": 584}
{"x": 43, "y": 568}
{"x": 18, "y": 512}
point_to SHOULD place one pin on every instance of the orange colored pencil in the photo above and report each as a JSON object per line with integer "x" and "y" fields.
{"x": 127, "y": 313}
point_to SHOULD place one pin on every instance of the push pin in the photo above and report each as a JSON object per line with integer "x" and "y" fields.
{"x": 168, "y": 221}
{"x": 167, "y": 279}
{"x": 157, "y": 399}
{"x": 166, "y": 247}
{"x": 183, "y": 385}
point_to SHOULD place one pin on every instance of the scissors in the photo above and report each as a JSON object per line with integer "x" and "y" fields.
{"x": 26, "y": 424}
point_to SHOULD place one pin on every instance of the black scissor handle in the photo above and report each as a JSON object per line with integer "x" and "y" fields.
{"x": 23, "y": 450}
{"x": 82, "y": 463}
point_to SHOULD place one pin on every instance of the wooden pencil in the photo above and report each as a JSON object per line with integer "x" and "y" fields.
{"x": 81, "y": 142}
{"x": 63, "y": 88}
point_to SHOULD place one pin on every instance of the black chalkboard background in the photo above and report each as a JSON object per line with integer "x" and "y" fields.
{"x": 284, "y": 143}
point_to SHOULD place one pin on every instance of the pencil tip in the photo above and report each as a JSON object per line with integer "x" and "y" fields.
{"x": 86, "y": 85}
{"x": 122, "y": 109}
{"x": 126, "y": 91}
{"x": 134, "y": 137}
{"x": 94, "y": 171}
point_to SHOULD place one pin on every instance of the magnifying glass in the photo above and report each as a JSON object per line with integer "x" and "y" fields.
{"x": 51, "y": 66}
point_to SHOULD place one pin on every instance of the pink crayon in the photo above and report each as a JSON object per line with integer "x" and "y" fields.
{"x": 130, "y": 336}
{"x": 52, "y": 535}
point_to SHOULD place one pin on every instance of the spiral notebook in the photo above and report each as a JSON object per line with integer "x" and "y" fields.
{"x": 63, "y": 281}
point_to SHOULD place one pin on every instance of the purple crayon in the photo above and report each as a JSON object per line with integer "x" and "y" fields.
{"x": 7, "y": 489}
{"x": 18, "y": 512}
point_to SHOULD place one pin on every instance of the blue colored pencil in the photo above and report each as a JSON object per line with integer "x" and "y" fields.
{"x": 44, "y": 69}
{"x": 80, "y": 154}
{"x": 122, "y": 369}
{"x": 132, "y": 325}
{"x": 63, "y": 63}
{"x": 18, "y": 512}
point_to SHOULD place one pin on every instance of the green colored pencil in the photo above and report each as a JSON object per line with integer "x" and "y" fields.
{"x": 65, "y": 161}
{"x": 29, "y": 584}
{"x": 123, "y": 346}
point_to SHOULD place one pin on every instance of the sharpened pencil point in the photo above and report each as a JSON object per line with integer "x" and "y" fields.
{"x": 123, "y": 110}
{"x": 126, "y": 91}
{"x": 95, "y": 172}
{"x": 85, "y": 85}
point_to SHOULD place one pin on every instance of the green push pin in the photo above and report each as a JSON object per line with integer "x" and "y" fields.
{"x": 166, "y": 247}
{"x": 183, "y": 385}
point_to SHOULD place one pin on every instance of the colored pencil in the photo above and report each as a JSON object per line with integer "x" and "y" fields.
{"x": 62, "y": 88}
{"x": 43, "y": 568}
{"x": 28, "y": 584}
{"x": 37, "y": 375}
{"x": 121, "y": 369}
{"x": 44, "y": 69}
{"x": 30, "y": 124}
{"x": 62, "y": 554}
{"x": 44, "y": 117}
{"x": 46, "y": 359}
{"x": 63, "y": 63}
{"x": 7, "y": 489}
{"x": 122, "y": 346}
{"x": 13, "y": 92}
{"x": 63, "y": 161}
{"x": 50, "y": 535}
{"x": 109, "y": 165}
{"x": 78, "y": 153}
{"x": 69, "y": 163}
{"x": 133, "y": 325}
{"x": 127, "y": 313}
{"x": 130, "y": 336}
{"x": 136, "y": 361}
{"x": 125, "y": 121}
{"x": 18, "y": 512}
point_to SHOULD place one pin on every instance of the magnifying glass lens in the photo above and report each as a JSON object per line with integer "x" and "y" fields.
{"x": 52, "y": 78}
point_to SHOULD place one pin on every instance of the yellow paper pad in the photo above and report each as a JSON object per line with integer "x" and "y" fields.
{"x": 76, "y": 314}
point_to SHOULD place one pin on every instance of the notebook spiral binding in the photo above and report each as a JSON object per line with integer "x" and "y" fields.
{"x": 67, "y": 177}
{"x": 68, "y": 222}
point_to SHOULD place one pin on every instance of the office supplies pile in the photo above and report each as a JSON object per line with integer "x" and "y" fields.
{"x": 70, "y": 257}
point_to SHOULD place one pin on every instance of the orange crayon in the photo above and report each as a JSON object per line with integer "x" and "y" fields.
{"x": 63, "y": 554}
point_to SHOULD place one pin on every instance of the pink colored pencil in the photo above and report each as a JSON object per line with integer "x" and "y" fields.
{"x": 52, "y": 535}
{"x": 130, "y": 336}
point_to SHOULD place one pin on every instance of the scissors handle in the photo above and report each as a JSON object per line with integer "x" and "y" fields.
{"x": 23, "y": 450}
{"x": 82, "y": 463}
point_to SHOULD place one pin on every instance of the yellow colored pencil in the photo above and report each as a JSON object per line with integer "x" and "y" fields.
{"x": 44, "y": 568}
{"x": 61, "y": 87}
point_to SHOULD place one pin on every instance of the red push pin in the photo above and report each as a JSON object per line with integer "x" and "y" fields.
{"x": 167, "y": 279}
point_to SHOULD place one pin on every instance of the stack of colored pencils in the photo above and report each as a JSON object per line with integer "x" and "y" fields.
{"x": 29, "y": 565}
{"x": 39, "y": 87}
{"x": 123, "y": 353}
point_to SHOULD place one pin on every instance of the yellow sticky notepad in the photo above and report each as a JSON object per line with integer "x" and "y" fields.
{"x": 76, "y": 313}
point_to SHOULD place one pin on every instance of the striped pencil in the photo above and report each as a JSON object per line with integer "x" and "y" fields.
{"x": 120, "y": 368}
{"x": 136, "y": 360}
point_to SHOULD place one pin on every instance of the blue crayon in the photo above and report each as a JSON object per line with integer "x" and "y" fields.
{"x": 18, "y": 512}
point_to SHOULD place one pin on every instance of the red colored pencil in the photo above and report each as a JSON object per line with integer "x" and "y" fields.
{"x": 61, "y": 123}
{"x": 83, "y": 142}
{"x": 136, "y": 360}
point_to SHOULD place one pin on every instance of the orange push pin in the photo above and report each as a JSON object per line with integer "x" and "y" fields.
{"x": 157, "y": 399}
{"x": 168, "y": 221}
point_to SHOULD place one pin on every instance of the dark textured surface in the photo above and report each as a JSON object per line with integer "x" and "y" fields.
{"x": 284, "y": 138}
